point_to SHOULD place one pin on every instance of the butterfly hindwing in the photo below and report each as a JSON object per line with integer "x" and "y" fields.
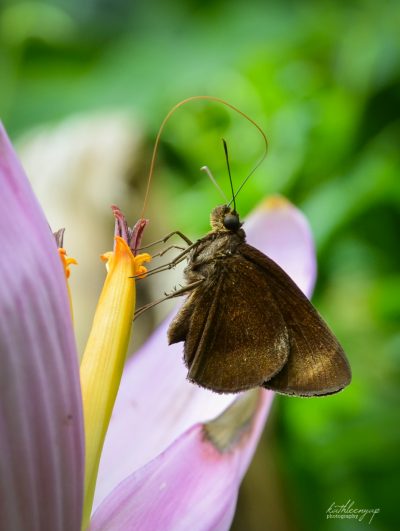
{"x": 316, "y": 364}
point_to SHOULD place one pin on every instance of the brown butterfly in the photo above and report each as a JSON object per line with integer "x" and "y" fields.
{"x": 245, "y": 323}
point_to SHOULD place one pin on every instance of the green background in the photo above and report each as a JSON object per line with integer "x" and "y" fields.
{"x": 322, "y": 79}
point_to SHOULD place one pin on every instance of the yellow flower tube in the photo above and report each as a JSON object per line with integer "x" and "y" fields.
{"x": 104, "y": 356}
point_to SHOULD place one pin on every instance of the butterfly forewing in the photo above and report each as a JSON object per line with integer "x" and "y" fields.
{"x": 316, "y": 364}
{"x": 235, "y": 337}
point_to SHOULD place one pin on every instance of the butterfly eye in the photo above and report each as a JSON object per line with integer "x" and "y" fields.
{"x": 231, "y": 222}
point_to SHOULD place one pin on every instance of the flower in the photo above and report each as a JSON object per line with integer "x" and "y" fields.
{"x": 174, "y": 454}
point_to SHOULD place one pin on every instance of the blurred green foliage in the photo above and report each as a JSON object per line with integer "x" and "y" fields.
{"x": 322, "y": 79}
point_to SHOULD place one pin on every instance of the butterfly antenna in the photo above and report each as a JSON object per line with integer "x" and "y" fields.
{"x": 251, "y": 173}
{"x": 229, "y": 173}
{"x": 255, "y": 167}
{"x": 168, "y": 116}
{"x": 206, "y": 169}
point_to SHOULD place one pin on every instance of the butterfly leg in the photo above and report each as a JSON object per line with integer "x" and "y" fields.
{"x": 161, "y": 253}
{"x": 166, "y": 238}
{"x": 176, "y": 293}
{"x": 171, "y": 264}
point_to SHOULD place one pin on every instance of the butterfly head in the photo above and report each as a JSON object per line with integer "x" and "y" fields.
{"x": 224, "y": 219}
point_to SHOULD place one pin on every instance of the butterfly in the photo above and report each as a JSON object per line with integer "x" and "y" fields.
{"x": 245, "y": 323}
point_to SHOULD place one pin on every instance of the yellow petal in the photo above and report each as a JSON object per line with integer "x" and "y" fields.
{"x": 104, "y": 356}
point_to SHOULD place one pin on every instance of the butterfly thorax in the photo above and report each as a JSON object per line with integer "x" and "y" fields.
{"x": 220, "y": 244}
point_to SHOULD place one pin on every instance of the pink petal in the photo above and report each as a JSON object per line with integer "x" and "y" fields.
{"x": 286, "y": 239}
{"x": 41, "y": 429}
{"x": 192, "y": 485}
{"x": 155, "y": 403}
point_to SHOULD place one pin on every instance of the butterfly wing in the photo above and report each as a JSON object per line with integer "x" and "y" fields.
{"x": 316, "y": 364}
{"x": 235, "y": 337}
